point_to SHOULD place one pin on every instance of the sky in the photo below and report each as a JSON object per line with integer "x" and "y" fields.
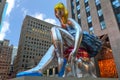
{"x": 18, "y": 9}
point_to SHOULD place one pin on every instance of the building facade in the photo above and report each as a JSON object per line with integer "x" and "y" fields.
{"x": 14, "y": 53}
{"x": 2, "y": 5}
{"x": 100, "y": 17}
{"x": 5, "y": 59}
{"x": 35, "y": 39}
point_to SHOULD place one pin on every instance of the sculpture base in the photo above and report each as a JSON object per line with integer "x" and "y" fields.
{"x": 56, "y": 78}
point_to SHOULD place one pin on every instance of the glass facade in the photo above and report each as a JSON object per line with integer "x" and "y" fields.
{"x": 118, "y": 17}
{"x": 87, "y": 9}
{"x": 72, "y": 7}
{"x": 100, "y": 15}
{"x": 89, "y": 19}
{"x": 116, "y": 3}
{"x": 91, "y": 30}
{"x": 78, "y": 7}
{"x": 102, "y": 24}
{"x": 85, "y": 1}
{"x": 78, "y": 11}
{"x": 116, "y": 9}
{"x": 78, "y": 16}
{"x": 97, "y": 2}
{"x": 100, "y": 12}
{"x": 77, "y": 0}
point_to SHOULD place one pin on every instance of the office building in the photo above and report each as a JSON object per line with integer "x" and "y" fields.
{"x": 102, "y": 18}
{"x": 35, "y": 39}
{"x": 14, "y": 53}
{"x": 5, "y": 59}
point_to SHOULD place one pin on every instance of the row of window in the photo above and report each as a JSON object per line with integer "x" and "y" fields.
{"x": 36, "y": 49}
{"x": 72, "y": 7}
{"x": 39, "y": 35}
{"x": 4, "y": 68}
{"x": 46, "y": 28}
{"x": 115, "y": 3}
{"x": 100, "y": 14}
{"x": 36, "y": 39}
{"x": 40, "y": 53}
{"x": 89, "y": 18}
{"x": 78, "y": 11}
{"x": 116, "y": 9}
{"x": 37, "y": 43}
{"x": 37, "y": 23}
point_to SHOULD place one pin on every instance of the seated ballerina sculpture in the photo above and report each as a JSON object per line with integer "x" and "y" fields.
{"x": 72, "y": 46}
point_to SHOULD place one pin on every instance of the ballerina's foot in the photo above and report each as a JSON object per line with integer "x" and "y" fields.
{"x": 20, "y": 74}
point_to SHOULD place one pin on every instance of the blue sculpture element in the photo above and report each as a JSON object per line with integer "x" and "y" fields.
{"x": 61, "y": 73}
{"x": 92, "y": 43}
{"x": 28, "y": 74}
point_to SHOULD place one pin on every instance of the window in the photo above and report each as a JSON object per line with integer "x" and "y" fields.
{"x": 72, "y": 3}
{"x": 87, "y": 9}
{"x": 77, "y": 0}
{"x": 0, "y": 0}
{"x": 100, "y": 12}
{"x": 79, "y": 21}
{"x": 85, "y": 1}
{"x": 89, "y": 19}
{"x": 102, "y": 24}
{"x": 86, "y": 4}
{"x": 97, "y": 2}
{"x": 98, "y": 7}
{"x": 78, "y": 16}
{"x": 73, "y": 12}
{"x": 78, "y": 7}
{"x": 118, "y": 17}
{"x": 101, "y": 18}
{"x": 90, "y": 24}
{"x": 116, "y": 3}
{"x": 78, "y": 11}
{"x": 88, "y": 13}
{"x": 91, "y": 30}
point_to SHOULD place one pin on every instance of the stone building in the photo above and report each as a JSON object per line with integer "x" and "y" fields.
{"x": 102, "y": 18}
{"x": 35, "y": 39}
{"x": 5, "y": 59}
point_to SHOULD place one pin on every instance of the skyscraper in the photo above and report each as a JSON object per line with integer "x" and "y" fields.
{"x": 100, "y": 17}
{"x": 35, "y": 39}
{"x": 2, "y": 5}
{"x": 5, "y": 59}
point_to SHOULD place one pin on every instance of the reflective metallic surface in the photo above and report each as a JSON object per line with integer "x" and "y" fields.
{"x": 69, "y": 34}
{"x": 37, "y": 71}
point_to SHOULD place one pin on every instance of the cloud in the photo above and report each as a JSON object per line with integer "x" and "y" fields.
{"x": 5, "y": 28}
{"x": 17, "y": 5}
{"x": 25, "y": 11}
{"x": 49, "y": 20}
{"x": 42, "y": 16}
{"x": 39, "y": 16}
{"x": 11, "y": 4}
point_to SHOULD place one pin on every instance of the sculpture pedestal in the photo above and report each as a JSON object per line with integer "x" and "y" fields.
{"x": 56, "y": 78}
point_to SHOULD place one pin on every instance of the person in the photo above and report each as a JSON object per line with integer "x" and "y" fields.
{"x": 68, "y": 35}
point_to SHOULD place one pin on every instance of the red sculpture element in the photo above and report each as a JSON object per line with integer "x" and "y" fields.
{"x": 82, "y": 53}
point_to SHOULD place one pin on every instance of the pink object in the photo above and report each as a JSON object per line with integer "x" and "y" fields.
{"x": 81, "y": 53}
